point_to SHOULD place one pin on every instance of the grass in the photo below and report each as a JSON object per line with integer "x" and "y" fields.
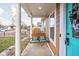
{"x": 6, "y": 42}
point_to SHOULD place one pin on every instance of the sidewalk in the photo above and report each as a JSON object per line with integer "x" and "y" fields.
{"x": 8, "y": 52}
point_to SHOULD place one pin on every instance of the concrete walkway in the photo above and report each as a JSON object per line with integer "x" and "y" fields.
{"x": 37, "y": 49}
{"x": 9, "y": 51}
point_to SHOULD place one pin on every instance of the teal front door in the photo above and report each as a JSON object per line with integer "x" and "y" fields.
{"x": 72, "y": 29}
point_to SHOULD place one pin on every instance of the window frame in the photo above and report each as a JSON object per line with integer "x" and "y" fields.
{"x": 53, "y": 40}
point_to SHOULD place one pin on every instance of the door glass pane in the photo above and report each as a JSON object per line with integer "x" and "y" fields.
{"x": 75, "y": 20}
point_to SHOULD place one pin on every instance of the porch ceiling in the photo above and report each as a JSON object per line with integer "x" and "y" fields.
{"x": 39, "y": 9}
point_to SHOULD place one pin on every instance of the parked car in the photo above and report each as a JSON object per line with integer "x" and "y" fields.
{"x": 2, "y": 30}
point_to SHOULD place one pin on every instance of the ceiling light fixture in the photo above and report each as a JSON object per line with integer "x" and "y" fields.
{"x": 39, "y": 7}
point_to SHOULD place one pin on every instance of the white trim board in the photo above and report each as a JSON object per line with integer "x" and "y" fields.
{"x": 62, "y": 46}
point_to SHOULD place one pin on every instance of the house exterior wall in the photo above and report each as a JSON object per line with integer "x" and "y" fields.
{"x": 47, "y": 28}
{"x": 55, "y": 49}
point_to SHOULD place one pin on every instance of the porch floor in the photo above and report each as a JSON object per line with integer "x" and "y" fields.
{"x": 37, "y": 49}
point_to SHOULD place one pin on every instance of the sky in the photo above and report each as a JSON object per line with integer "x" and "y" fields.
{"x": 8, "y": 11}
{"x": 5, "y": 13}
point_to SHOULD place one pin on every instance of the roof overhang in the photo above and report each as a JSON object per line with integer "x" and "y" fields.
{"x": 39, "y": 9}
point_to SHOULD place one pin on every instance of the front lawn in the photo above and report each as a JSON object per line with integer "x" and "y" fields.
{"x": 6, "y": 42}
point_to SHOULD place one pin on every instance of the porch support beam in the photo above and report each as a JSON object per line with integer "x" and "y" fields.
{"x": 31, "y": 29}
{"x": 18, "y": 30}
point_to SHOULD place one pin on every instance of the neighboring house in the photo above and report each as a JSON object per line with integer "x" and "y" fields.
{"x": 11, "y": 27}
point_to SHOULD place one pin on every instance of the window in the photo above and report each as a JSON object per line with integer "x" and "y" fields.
{"x": 52, "y": 27}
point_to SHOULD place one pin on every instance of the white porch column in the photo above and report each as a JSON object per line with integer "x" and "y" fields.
{"x": 31, "y": 29}
{"x": 18, "y": 30}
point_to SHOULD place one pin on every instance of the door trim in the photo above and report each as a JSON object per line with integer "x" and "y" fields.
{"x": 62, "y": 46}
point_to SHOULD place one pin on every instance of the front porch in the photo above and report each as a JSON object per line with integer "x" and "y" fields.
{"x": 41, "y": 47}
